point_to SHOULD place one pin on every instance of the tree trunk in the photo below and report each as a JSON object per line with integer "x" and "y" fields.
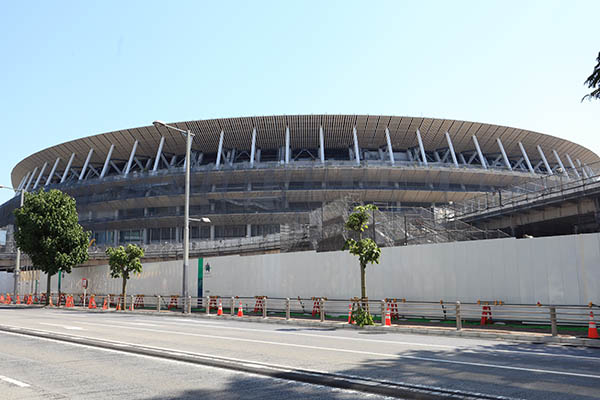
{"x": 123, "y": 295}
{"x": 363, "y": 284}
{"x": 48, "y": 287}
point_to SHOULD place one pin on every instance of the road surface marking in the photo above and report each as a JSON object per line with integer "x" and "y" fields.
{"x": 73, "y": 328}
{"x": 132, "y": 322}
{"x": 397, "y": 356}
{"x": 269, "y": 366}
{"x": 394, "y": 342}
{"x": 14, "y": 381}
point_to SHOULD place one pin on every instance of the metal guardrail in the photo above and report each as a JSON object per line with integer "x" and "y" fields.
{"x": 543, "y": 187}
{"x": 450, "y": 314}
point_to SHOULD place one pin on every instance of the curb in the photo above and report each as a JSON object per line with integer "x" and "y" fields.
{"x": 464, "y": 333}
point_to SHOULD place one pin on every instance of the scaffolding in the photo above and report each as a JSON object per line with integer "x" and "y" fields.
{"x": 388, "y": 226}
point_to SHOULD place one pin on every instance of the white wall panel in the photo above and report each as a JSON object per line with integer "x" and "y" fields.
{"x": 515, "y": 271}
{"x": 559, "y": 270}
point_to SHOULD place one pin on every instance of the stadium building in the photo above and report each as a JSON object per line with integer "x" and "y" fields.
{"x": 257, "y": 177}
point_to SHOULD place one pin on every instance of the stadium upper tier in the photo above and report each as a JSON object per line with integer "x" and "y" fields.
{"x": 307, "y": 140}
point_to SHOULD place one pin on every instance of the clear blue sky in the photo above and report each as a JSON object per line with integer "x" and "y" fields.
{"x": 76, "y": 68}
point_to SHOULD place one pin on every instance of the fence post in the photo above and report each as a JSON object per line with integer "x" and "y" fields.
{"x": 132, "y": 303}
{"x": 108, "y": 300}
{"x": 232, "y": 311}
{"x": 287, "y": 308}
{"x": 553, "y": 325}
{"x": 158, "y": 303}
{"x": 264, "y": 309}
{"x": 322, "y": 309}
{"x": 383, "y": 311}
{"x": 207, "y": 305}
{"x": 458, "y": 317}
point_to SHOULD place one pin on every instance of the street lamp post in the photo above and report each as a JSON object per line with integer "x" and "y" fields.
{"x": 186, "y": 220}
{"x": 18, "y": 260}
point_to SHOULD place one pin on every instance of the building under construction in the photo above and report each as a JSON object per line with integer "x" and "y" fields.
{"x": 285, "y": 183}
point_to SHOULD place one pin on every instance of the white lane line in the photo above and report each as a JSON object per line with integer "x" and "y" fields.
{"x": 177, "y": 322}
{"x": 132, "y": 322}
{"x": 397, "y": 356}
{"x": 14, "y": 381}
{"x": 271, "y": 366}
{"x": 473, "y": 350}
{"x": 73, "y": 328}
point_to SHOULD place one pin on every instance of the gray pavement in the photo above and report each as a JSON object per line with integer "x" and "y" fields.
{"x": 45, "y": 369}
{"x": 499, "y": 368}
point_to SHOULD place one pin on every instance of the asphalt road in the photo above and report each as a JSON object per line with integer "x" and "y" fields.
{"x": 499, "y": 368}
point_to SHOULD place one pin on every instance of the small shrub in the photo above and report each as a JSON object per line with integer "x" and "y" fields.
{"x": 361, "y": 317}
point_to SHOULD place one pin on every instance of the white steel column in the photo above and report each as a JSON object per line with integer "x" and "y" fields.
{"x": 158, "y": 153}
{"x": 389, "y": 146}
{"x": 52, "y": 171}
{"x": 479, "y": 153}
{"x": 504, "y": 156}
{"x": 590, "y": 171}
{"x": 585, "y": 175}
{"x": 423, "y": 156}
{"x": 544, "y": 160}
{"x": 287, "y": 144}
{"x": 64, "y": 177}
{"x": 321, "y": 145}
{"x": 85, "y": 164}
{"x": 451, "y": 148}
{"x": 23, "y": 180}
{"x": 37, "y": 181}
{"x": 560, "y": 164}
{"x": 356, "y": 148}
{"x": 107, "y": 161}
{"x": 572, "y": 166}
{"x": 526, "y": 158}
{"x": 31, "y": 178}
{"x": 220, "y": 150}
{"x": 253, "y": 148}
{"x": 128, "y": 167}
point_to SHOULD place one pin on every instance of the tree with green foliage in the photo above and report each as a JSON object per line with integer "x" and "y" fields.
{"x": 367, "y": 251}
{"x": 593, "y": 81}
{"x": 123, "y": 262}
{"x": 48, "y": 230}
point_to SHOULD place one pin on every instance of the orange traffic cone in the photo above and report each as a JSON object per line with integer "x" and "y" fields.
{"x": 30, "y": 300}
{"x": 240, "y": 311}
{"x": 8, "y": 299}
{"x": 220, "y": 309}
{"x": 592, "y": 330}
{"x": 92, "y": 302}
{"x": 131, "y": 306}
{"x": 50, "y": 303}
{"x": 119, "y": 305}
{"x": 350, "y": 314}
{"x": 105, "y": 305}
{"x": 18, "y": 300}
{"x": 388, "y": 318}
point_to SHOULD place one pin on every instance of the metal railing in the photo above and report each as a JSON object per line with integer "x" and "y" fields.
{"x": 451, "y": 315}
{"x": 539, "y": 188}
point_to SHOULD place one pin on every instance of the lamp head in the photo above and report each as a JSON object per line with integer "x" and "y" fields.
{"x": 158, "y": 123}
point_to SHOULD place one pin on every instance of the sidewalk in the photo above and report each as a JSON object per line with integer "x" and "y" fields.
{"x": 490, "y": 334}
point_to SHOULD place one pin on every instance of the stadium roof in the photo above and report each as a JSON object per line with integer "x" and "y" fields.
{"x": 304, "y": 133}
